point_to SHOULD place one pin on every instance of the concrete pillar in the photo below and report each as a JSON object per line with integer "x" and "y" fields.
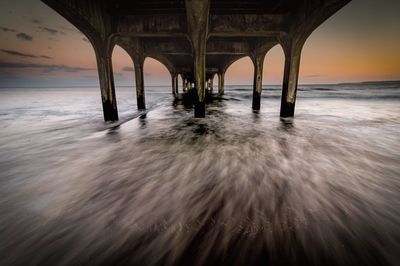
{"x": 138, "y": 61}
{"x": 183, "y": 84}
{"x": 221, "y": 83}
{"x": 258, "y": 61}
{"x": 290, "y": 78}
{"x": 212, "y": 83}
{"x": 174, "y": 78}
{"x": 106, "y": 78}
{"x": 177, "y": 85}
{"x": 208, "y": 82}
{"x": 197, "y": 13}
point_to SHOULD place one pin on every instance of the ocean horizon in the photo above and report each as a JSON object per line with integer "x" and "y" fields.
{"x": 366, "y": 82}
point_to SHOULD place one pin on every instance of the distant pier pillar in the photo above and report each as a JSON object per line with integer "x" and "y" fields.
{"x": 106, "y": 78}
{"x": 138, "y": 61}
{"x": 176, "y": 85}
{"x": 292, "y": 51}
{"x": 184, "y": 85}
{"x": 211, "y": 83}
{"x": 174, "y": 78}
{"x": 184, "y": 88}
{"x": 197, "y": 13}
{"x": 258, "y": 61}
{"x": 221, "y": 83}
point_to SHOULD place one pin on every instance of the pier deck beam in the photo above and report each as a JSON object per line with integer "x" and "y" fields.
{"x": 292, "y": 51}
{"x": 197, "y": 13}
{"x": 106, "y": 79}
{"x": 258, "y": 61}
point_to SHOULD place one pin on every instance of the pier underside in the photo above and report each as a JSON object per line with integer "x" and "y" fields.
{"x": 197, "y": 39}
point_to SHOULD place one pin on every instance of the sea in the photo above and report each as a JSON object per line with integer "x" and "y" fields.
{"x": 160, "y": 187}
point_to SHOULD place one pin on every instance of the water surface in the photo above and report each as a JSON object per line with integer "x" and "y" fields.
{"x": 236, "y": 188}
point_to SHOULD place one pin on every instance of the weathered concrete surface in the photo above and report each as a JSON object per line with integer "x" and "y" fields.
{"x": 221, "y": 82}
{"x": 174, "y": 78}
{"x": 106, "y": 81}
{"x": 197, "y": 13}
{"x": 197, "y": 37}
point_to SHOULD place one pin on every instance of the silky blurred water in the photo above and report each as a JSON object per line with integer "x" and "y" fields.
{"x": 235, "y": 188}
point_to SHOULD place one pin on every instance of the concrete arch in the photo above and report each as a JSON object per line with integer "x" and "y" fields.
{"x": 163, "y": 60}
{"x": 136, "y": 61}
{"x": 232, "y": 69}
{"x": 124, "y": 78}
{"x": 165, "y": 72}
{"x": 123, "y": 67}
{"x": 234, "y": 60}
{"x": 273, "y": 66}
{"x": 152, "y": 65}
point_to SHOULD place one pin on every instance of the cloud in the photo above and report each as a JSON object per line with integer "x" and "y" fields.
{"x": 127, "y": 69}
{"x": 19, "y": 54}
{"x": 24, "y": 36}
{"x": 67, "y": 28}
{"x": 85, "y": 40}
{"x": 36, "y": 21}
{"x": 313, "y": 76}
{"x": 147, "y": 74}
{"x": 51, "y": 30}
{"x": 19, "y": 35}
{"x": 45, "y": 68}
{"x": 4, "y": 29}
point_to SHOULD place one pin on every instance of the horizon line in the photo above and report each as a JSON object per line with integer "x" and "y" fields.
{"x": 131, "y": 86}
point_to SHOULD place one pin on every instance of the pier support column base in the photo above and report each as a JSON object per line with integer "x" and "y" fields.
{"x": 110, "y": 111}
{"x": 141, "y": 105}
{"x": 256, "y": 101}
{"x": 199, "y": 110}
{"x": 287, "y": 110}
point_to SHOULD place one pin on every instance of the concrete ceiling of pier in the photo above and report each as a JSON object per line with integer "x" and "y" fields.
{"x": 235, "y": 27}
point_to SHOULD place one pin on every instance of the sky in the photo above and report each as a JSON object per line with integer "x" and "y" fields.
{"x": 40, "y": 48}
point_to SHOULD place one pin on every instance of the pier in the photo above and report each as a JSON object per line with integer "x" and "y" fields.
{"x": 197, "y": 39}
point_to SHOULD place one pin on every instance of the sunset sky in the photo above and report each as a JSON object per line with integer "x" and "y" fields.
{"x": 39, "y": 48}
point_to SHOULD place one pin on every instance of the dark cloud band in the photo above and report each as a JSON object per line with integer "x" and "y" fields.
{"x": 44, "y": 67}
{"x": 4, "y": 29}
{"x": 51, "y": 30}
{"x": 24, "y": 36}
{"x": 36, "y": 21}
{"x": 20, "y": 35}
{"x": 19, "y": 54}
